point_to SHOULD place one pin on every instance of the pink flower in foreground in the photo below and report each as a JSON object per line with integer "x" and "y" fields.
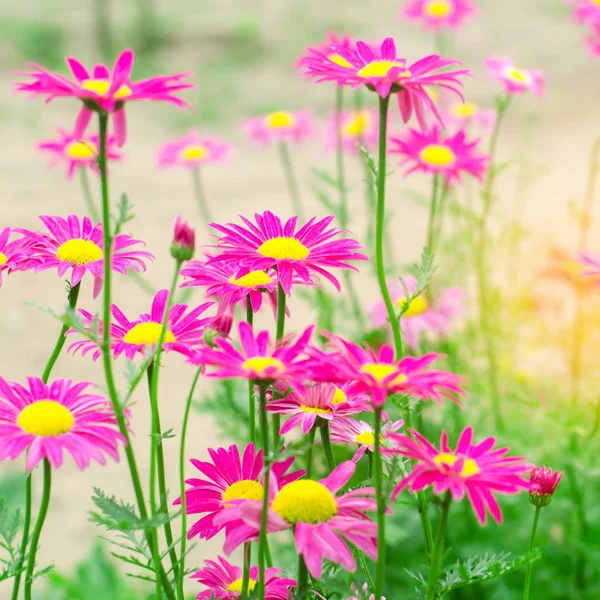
{"x": 79, "y": 245}
{"x": 437, "y": 14}
{"x": 476, "y": 470}
{"x": 593, "y": 41}
{"x": 103, "y": 90}
{"x": 12, "y": 254}
{"x": 356, "y": 126}
{"x": 192, "y": 151}
{"x": 281, "y": 126}
{"x": 542, "y": 485}
{"x": 435, "y": 153}
{"x": 224, "y": 581}
{"x": 461, "y": 115}
{"x": 48, "y": 419}
{"x": 185, "y": 330}
{"x": 515, "y": 80}
{"x": 78, "y": 152}
{"x": 586, "y": 11}
{"x": 229, "y": 477}
{"x": 421, "y": 319}
{"x": 317, "y": 516}
{"x": 295, "y": 253}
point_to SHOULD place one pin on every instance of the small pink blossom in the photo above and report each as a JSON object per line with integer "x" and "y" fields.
{"x": 439, "y": 14}
{"x": 192, "y": 151}
{"x": 281, "y": 126}
{"x": 542, "y": 485}
{"x": 514, "y": 79}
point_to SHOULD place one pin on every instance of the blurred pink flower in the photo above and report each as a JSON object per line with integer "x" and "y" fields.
{"x": 281, "y": 126}
{"x": 192, "y": 151}
{"x": 515, "y": 80}
{"x": 360, "y": 126}
{"x": 437, "y": 14}
{"x": 461, "y": 115}
{"x": 345, "y": 41}
{"x": 542, "y": 485}
{"x": 592, "y": 41}
{"x": 586, "y": 11}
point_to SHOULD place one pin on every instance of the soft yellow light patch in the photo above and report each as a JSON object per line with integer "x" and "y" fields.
{"x": 284, "y": 248}
{"x": 45, "y": 418}
{"x": 251, "y": 280}
{"x": 318, "y": 411}
{"x": 438, "y": 8}
{"x": 147, "y": 334}
{"x": 305, "y": 501}
{"x": 236, "y": 586}
{"x": 469, "y": 466}
{"x": 464, "y": 110}
{"x": 367, "y": 438}
{"x": 81, "y": 150}
{"x": 339, "y": 60}
{"x": 247, "y": 489}
{"x": 3, "y": 258}
{"x": 379, "y": 371}
{"x": 339, "y": 396}
{"x": 101, "y": 87}
{"x": 437, "y": 155}
{"x": 80, "y": 252}
{"x": 417, "y": 307}
{"x": 259, "y": 364}
{"x": 357, "y": 124}
{"x": 380, "y": 68}
{"x": 193, "y": 152}
{"x": 281, "y": 119}
{"x": 518, "y": 75}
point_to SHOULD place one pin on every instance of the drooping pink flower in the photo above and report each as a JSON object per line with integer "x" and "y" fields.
{"x": 592, "y": 41}
{"x": 302, "y": 253}
{"x": 463, "y": 115}
{"x": 77, "y": 244}
{"x": 47, "y": 419}
{"x": 439, "y": 14}
{"x": 318, "y": 517}
{"x": 436, "y": 153}
{"x": 12, "y": 253}
{"x": 476, "y": 470}
{"x": 515, "y": 80}
{"x": 356, "y": 126}
{"x": 281, "y": 126}
{"x": 543, "y": 482}
{"x": 586, "y": 11}
{"x": 102, "y": 90}
{"x": 185, "y": 330}
{"x": 192, "y": 151}
{"x": 229, "y": 477}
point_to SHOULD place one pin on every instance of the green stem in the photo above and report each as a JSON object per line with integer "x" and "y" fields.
{"x": 281, "y": 302}
{"x": 292, "y": 183}
{"x": 303, "y": 580}
{"x": 87, "y": 195}
{"x": 201, "y": 197}
{"x": 37, "y": 530}
{"x": 310, "y": 439}
{"x": 579, "y": 502}
{"x": 432, "y": 214}
{"x": 329, "y": 456}
{"x": 370, "y": 468}
{"x": 438, "y": 551}
{"x": 529, "y": 573}
{"x": 25, "y": 538}
{"x": 246, "y": 572}
{"x": 262, "y": 540}
{"x": 381, "y": 506}
{"x": 251, "y": 398}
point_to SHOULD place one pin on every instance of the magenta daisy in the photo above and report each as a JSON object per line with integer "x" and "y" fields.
{"x": 78, "y": 152}
{"x": 438, "y": 14}
{"x": 318, "y": 517}
{"x": 462, "y": 115}
{"x": 515, "y": 80}
{"x": 229, "y": 478}
{"x": 185, "y": 330}
{"x": 281, "y": 126}
{"x": 48, "y": 419}
{"x": 345, "y": 41}
{"x": 102, "y": 90}
{"x": 350, "y": 431}
{"x": 476, "y": 470}
{"x": 586, "y": 11}
{"x": 356, "y": 126}
{"x": 77, "y": 244}
{"x": 593, "y": 41}
{"x": 192, "y": 151}
{"x": 12, "y": 253}
{"x": 302, "y": 253}
{"x": 224, "y": 581}
{"x": 436, "y": 153}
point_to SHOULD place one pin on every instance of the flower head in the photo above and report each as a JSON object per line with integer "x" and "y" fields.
{"x": 192, "y": 151}
{"x": 355, "y": 126}
{"x": 12, "y": 254}
{"x": 542, "y": 485}
{"x": 586, "y": 11}
{"x": 435, "y": 153}
{"x": 295, "y": 253}
{"x": 229, "y": 477}
{"x": 77, "y": 244}
{"x": 515, "y": 80}
{"x": 438, "y": 14}
{"x": 47, "y": 419}
{"x": 461, "y": 115}
{"x": 592, "y": 41}
{"x": 102, "y": 90}
{"x": 281, "y": 126}
{"x": 184, "y": 240}
{"x": 476, "y": 470}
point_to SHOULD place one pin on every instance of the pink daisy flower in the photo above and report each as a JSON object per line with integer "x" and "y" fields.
{"x": 462, "y": 115}
{"x": 79, "y": 245}
{"x": 593, "y": 41}
{"x": 356, "y": 126}
{"x": 515, "y": 80}
{"x": 293, "y": 253}
{"x": 349, "y": 431}
{"x": 437, "y": 14}
{"x": 224, "y": 581}
{"x": 281, "y": 126}
{"x": 436, "y": 153}
{"x": 103, "y": 90}
{"x": 586, "y": 11}
{"x": 78, "y": 152}
{"x": 185, "y": 330}
{"x": 192, "y": 151}
{"x": 48, "y": 419}
{"x": 476, "y": 470}
{"x": 12, "y": 254}
{"x": 229, "y": 478}
{"x": 345, "y": 41}
{"x": 318, "y": 517}
{"x": 421, "y": 319}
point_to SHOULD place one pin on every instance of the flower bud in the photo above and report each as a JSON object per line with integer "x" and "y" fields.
{"x": 542, "y": 485}
{"x": 184, "y": 240}
{"x": 219, "y": 327}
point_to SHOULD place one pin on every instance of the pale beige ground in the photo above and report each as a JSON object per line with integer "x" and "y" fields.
{"x": 535, "y": 32}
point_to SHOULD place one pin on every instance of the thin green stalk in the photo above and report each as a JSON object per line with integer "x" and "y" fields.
{"x": 303, "y": 580}
{"x": 441, "y": 213}
{"x": 251, "y": 398}
{"x": 201, "y": 197}
{"x": 25, "y": 538}
{"x": 246, "y": 572}
{"x": 262, "y": 540}
{"x": 310, "y": 439}
{"x": 329, "y": 456}
{"x": 281, "y": 300}
{"x": 438, "y": 550}
{"x": 529, "y": 573}
{"x": 37, "y": 530}
{"x": 381, "y": 506}
{"x": 370, "y": 469}
{"x": 432, "y": 213}
{"x": 292, "y": 183}
{"x": 87, "y": 195}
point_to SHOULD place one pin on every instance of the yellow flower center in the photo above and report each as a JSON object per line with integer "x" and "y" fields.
{"x": 284, "y": 248}
{"x": 305, "y": 501}
{"x": 464, "y": 110}
{"x": 356, "y": 125}
{"x": 259, "y": 364}
{"x": 193, "y": 152}
{"x": 236, "y": 586}
{"x": 339, "y": 60}
{"x": 437, "y": 155}
{"x": 147, "y": 334}
{"x": 3, "y": 258}
{"x": 417, "y": 307}
{"x": 367, "y": 438}
{"x": 379, "y": 371}
{"x": 339, "y": 396}
{"x": 80, "y": 252}
{"x": 438, "y": 8}
{"x": 45, "y": 418}
{"x": 101, "y": 87}
{"x": 469, "y": 465}
{"x": 251, "y": 280}
{"x": 81, "y": 150}
{"x": 281, "y": 119}
{"x": 380, "y": 68}
{"x": 517, "y": 75}
{"x": 247, "y": 489}
{"x": 313, "y": 409}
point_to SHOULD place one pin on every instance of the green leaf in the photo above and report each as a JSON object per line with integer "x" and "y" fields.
{"x": 369, "y": 162}
{"x": 327, "y": 178}
{"x": 124, "y": 213}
